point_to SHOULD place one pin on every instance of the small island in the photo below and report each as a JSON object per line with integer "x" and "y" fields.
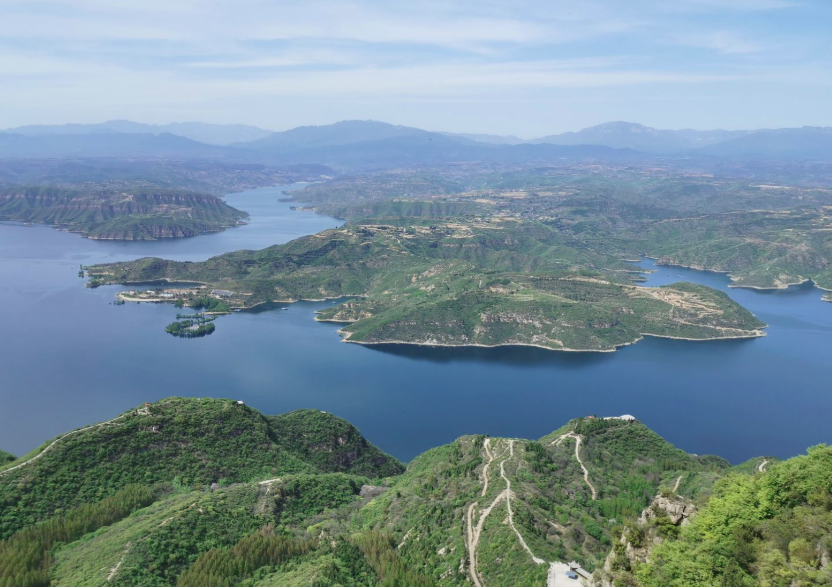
{"x": 191, "y": 325}
{"x": 827, "y": 297}
{"x": 211, "y": 304}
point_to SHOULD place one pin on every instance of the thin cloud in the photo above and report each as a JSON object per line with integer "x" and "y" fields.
{"x": 725, "y": 42}
{"x": 188, "y": 56}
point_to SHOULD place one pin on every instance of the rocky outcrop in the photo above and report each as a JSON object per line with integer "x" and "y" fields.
{"x": 637, "y": 542}
{"x": 371, "y": 491}
{"x": 677, "y": 509}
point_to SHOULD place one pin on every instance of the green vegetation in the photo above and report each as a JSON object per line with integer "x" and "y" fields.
{"x": 225, "y": 568}
{"x": 768, "y": 529}
{"x": 758, "y": 249}
{"x": 489, "y": 282}
{"x": 25, "y": 557}
{"x": 510, "y": 254}
{"x": 553, "y": 507}
{"x": 104, "y": 213}
{"x": 330, "y": 444}
{"x": 190, "y": 442}
{"x": 191, "y": 326}
{"x": 765, "y": 226}
{"x": 6, "y": 457}
{"x": 212, "y": 493}
{"x": 209, "y": 304}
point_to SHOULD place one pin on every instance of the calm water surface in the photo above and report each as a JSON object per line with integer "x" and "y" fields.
{"x": 69, "y": 357}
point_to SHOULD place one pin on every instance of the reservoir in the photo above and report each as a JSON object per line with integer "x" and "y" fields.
{"x": 70, "y": 357}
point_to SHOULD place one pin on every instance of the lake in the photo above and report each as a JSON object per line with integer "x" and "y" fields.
{"x": 70, "y": 357}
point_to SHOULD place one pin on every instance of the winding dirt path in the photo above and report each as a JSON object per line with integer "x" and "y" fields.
{"x": 676, "y": 485}
{"x": 473, "y": 533}
{"x": 537, "y": 561}
{"x": 474, "y": 537}
{"x": 578, "y": 440}
{"x": 114, "y": 570}
{"x": 404, "y": 539}
{"x": 761, "y": 468}
{"x": 59, "y": 439}
{"x": 556, "y": 575}
{"x": 484, "y": 475}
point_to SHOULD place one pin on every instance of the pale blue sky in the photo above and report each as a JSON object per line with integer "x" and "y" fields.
{"x": 511, "y": 67}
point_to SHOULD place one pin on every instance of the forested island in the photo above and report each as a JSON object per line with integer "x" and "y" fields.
{"x": 191, "y": 326}
{"x": 303, "y": 499}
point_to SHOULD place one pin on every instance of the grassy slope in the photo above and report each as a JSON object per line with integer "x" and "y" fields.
{"x": 552, "y": 506}
{"x": 189, "y": 442}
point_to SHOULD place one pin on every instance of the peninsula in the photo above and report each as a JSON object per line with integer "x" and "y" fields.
{"x": 138, "y": 214}
{"x": 488, "y": 254}
{"x": 472, "y": 281}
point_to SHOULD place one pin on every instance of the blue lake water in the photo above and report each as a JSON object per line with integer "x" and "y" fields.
{"x": 69, "y": 357}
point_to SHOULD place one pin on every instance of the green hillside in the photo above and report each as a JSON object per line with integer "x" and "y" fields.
{"x": 190, "y": 492}
{"x": 186, "y": 443}
{"x": 768, "y": 527}
{"x": 99, "y": 213}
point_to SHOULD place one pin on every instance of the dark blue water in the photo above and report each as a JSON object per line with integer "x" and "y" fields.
{"x": 69, "y": 358}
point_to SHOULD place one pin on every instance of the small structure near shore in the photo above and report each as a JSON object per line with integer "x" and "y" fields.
{"x": 625, "y": 417}
{"x": 576, "y": 570}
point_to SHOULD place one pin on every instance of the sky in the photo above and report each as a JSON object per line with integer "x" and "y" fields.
{"x": 528, "y": 68}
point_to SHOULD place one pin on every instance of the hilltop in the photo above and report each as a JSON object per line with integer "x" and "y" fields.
{"x": 203, "y": 492}
{"x": 192, "y": 442}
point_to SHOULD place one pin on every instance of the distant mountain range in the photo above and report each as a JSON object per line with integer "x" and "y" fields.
{"x": 628, "y": 135}
{"x": 346, "y": 132}
{"x": 212, "y": 134}
{"x": 108, "y": 145}
{"x": 368, "y": 144}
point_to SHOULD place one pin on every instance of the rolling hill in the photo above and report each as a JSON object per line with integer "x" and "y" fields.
{"x": 211, "y": 493}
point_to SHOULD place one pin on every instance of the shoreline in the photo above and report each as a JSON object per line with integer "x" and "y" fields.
{"x": 755, "y": 334}
{"x": 258, "y": 304}
{"x": 733, "y": 283}
{"x": 346, "y": 338}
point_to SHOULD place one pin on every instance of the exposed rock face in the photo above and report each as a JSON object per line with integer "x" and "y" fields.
{"x": 371, "y": 491}
{"x": 635, "y": 544}
{"x": 678, "y": 509}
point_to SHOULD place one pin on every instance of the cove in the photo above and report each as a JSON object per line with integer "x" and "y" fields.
{"x": 69, "y": 357}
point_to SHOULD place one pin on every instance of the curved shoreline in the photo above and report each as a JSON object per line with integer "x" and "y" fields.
{"x": 346, "y": 338}
{"x": 733, "y": 283}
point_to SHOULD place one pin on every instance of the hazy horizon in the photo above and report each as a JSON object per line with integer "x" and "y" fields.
{"x": 528, "y": 69}
{"x": 439, "y": 130}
